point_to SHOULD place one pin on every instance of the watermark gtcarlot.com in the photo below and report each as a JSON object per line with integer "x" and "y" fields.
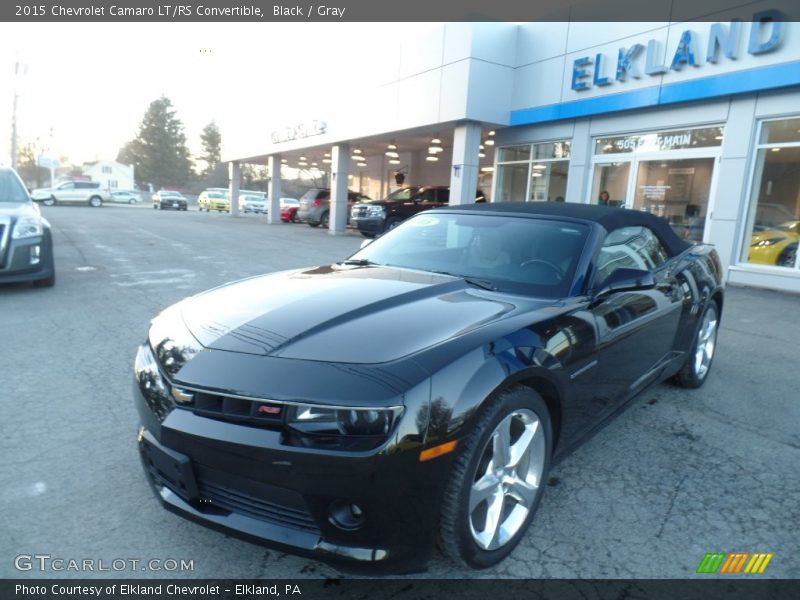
{"x": 47, "y": 563}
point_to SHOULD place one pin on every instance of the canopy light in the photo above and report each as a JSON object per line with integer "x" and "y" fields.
{"x": 357, "y": 157}
{"x": 539, "y": 167}
{"x": 394, "y": 161}
{"x": 536, "y": 174}
{"x": 284, "y": 161}
{"x": 480, "y": 147}
{"x": 392, "y": 154}
{"x": 302, "y": 163}
{"x": 327, "y": 155}
{"x": 391, "y": 146}
{"x": 313, "y": 164}
{"x": 435, "y": 149}
{"x": 361, "y": 163}
{"x": 302, "y": 158}
{"x": 487, "y": 169}
{"x": 481, "y": 155}
{"x": 491, "y": 132}
{"x": 356, "y": 150}
{"x": 432, "y": 158}
{"x": 489, "y": 142}
{"x": 327, "y": 161}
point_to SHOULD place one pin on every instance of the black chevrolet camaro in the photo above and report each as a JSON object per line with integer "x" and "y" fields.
{"x": 418, "y": 391}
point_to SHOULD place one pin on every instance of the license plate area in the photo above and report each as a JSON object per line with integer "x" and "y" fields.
{"x": 173, "y": 469}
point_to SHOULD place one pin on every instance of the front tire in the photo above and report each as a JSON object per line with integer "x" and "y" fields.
{"x": 95, "y": 202}
{"x": 695, "y": 370}
{"x": 788, "y": 256}
{"x": 51, "y": 201}
{"x": 497, "y": 480}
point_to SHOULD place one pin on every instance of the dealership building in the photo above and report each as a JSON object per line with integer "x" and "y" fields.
{"x": 697, "y": 122}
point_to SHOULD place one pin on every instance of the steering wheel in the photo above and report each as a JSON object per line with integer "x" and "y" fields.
{"x": 552, "y": 266}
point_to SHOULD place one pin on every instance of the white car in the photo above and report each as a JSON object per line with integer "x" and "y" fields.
{"x": 125, "y": 197}
{"x": 73, "y": 192}
{"x": 255, "y": 202}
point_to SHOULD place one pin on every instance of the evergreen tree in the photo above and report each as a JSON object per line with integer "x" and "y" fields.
{"x": 159, "y": 151}
{"x": 211, "y": 139}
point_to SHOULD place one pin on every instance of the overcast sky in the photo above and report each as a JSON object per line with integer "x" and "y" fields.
{"x": 91, "y": 83}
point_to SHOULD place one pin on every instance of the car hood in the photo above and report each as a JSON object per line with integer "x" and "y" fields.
{"x": 769, "y": 234}
{"x": 342, "y": 314}
{"x": 17, "y": 209}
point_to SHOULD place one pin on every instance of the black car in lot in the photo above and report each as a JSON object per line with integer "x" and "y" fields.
{"x": 166, "y": 200}
{"x": 26, "y": 244}
{"x": 424, "y": 400}
{"x": 373, "y": 217}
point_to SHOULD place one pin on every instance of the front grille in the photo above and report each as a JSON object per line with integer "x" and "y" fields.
{"x": 359, "y": 211}
{"x": 2, "y": 245}
{"x": 257, "y": 508}
{"x": 237, "y": 410}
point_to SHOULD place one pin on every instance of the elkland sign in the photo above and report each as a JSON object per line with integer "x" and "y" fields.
{"x": 766, "y": 34}
{"x": 299, "y": 131}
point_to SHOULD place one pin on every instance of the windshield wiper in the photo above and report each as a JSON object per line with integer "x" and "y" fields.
{"x": 481, "y": 283}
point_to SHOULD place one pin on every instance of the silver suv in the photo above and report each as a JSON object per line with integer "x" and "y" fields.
{"x": 315, "y": 204}
{"x": 73, "y": 192}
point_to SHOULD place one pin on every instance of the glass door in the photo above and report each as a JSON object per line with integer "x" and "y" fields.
{"x": 677, "y": 190}
{"x": 610, "y": 183}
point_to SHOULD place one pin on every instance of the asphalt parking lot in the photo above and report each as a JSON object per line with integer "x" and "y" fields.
{"x": 677, "y": 475}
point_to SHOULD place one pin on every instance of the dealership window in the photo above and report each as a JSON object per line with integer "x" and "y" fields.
{"x": 532, "y": 172}
{"x": 773, "y": 224}
{"x": 668, "y": 173}
{"x": 106, "y": 170}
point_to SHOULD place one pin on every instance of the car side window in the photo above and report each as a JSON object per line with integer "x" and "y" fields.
{"x": 428, "y": 196}
{"x": 630, "y": 248}
{"x": 444, "y": 195}
{"x": 67, "y": 186}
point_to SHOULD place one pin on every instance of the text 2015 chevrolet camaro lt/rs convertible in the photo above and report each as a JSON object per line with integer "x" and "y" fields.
{"x": 417, "y": 392}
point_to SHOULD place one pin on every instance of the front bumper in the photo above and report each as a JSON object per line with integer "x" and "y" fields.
{"x": 16, "y": 262}
{"x": 169, "y": 205}
{"x": 373, "y": 225}
{"x": 246, "y": 481}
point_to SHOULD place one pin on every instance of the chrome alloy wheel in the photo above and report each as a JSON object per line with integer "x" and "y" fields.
{"x": 706, "y": 342}
{"x": 507, "y": 479}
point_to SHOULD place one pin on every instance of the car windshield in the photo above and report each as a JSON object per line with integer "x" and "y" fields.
{"x": 10, "y": 188}
{"x": 402, "y": 194}
{"x": 216, "y": 195}
{"x": 506, "y": 253}
{"x": 792, "y": 226}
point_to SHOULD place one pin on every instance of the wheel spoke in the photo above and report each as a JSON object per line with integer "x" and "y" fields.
{"x": 522, "y": 446}
{"x": 482, "y": 490}
{"x": 493, "y": 514}
{"x": 521, "y": 491}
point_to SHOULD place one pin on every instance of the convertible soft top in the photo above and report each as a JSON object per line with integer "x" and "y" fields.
{"x": 608, "y": 216}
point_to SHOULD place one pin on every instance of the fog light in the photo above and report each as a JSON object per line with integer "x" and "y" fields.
{"x": 35, "y": 254}
{"x": 346, "y": 515}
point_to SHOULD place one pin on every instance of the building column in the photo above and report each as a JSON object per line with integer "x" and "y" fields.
{"x": 340, "y": 162}
{"x": 235, "y": 174}
{"x": 464, "y": 172}
{"x": 274, "y": 189}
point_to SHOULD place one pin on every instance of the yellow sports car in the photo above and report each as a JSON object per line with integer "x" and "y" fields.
{"x": 776, "y": 246}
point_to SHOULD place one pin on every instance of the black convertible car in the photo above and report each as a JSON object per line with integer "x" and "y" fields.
{"x": 418, "y": 391}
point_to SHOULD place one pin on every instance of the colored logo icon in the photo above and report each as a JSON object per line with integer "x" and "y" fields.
{"x": 734, "y": 562}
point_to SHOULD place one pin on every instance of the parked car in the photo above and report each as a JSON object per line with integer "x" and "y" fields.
{"x": 166, "y": 200}
{"x": 26, "y": 244}
{"x": 255, "y": 202}
{"x": 289, "y": 208}
{"x": 217, "y": 200}
{"x": 314, "y": 206}
{"x": 123, "y": 197}
{"x": 377, "y": 216}
{"x": 776, "y": 246}
{"x": 432, "y": 379}
{"x": 73, "y": 192}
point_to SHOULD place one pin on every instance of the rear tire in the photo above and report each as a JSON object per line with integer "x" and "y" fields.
{"x": 788, "y": 256}
{"x": 324, "y": 220}
{"x": 497, "y": 480}
{"x": 95, "y": 202}
{"x": 51, "y": 201}
{"x": 694, "y": 371}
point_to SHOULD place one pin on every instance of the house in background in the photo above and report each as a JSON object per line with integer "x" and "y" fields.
{"x": 111, "y": 174}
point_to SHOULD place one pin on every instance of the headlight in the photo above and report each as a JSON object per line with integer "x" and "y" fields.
{"x": 27, "y": 227}
{"x": 376, "y": 211}
{"x": 769, "y": 242}
{"x": 322, "y": 420}
{"x": 151, "y": 384}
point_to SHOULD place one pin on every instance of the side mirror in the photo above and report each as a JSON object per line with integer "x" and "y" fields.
{"x": 416, "y": 199}
{"x": 625, "y": 280}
